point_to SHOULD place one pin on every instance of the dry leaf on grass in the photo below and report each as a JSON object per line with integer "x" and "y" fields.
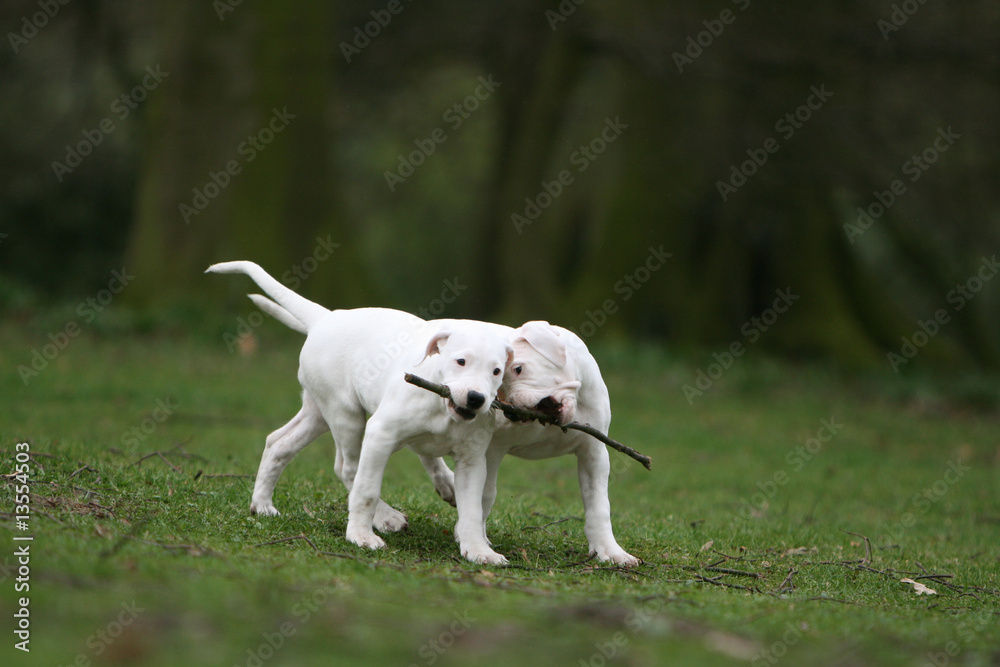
{"x": 918, "y": 587}
{"x": 800, "y": 551}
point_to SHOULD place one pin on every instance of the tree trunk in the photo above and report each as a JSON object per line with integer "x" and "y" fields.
{"x": 237, "y": 158}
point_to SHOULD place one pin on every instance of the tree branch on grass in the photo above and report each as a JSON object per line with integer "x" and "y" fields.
{"x": 516, "y": 413}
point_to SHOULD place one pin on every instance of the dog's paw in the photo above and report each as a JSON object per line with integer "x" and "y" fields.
{"x": 264, "y": 509}
{"x": 446, "y": 490}
{"x": 616, "y": 555}
{"x": 484, "y": 556}
{"x": 366, "y": 539}
{"x": 388, "y": 520}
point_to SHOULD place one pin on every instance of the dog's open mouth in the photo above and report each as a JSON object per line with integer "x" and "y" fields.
{"x": 464, "y": 413}
{"x": 549, "y": 407}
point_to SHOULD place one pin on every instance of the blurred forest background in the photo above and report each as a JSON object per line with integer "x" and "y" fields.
{"x": 520, "y": 160}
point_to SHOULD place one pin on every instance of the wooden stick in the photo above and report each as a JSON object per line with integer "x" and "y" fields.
{"x": 517, "y": 413}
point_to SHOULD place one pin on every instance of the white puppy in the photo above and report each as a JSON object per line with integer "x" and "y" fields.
{"x": 351, "y": 369}
{"x": 552, "y": 371}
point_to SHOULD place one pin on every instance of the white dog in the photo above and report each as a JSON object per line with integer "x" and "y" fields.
{"x": 351, "y": 369}
{"x": 552, "y": 371}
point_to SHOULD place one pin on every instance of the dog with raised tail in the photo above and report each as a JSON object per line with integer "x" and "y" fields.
{"x": 552, "y": 371}
{"x": 373, "y": 412}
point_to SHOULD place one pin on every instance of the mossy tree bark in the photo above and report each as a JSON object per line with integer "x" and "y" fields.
{"x": 237, "y": 164}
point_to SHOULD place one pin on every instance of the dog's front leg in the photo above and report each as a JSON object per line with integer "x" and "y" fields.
{"x": 470, "y": 478}
{"x": 493, "y": 457}
{"x": 593, "y": 468}
{"x": 363, "y": 499}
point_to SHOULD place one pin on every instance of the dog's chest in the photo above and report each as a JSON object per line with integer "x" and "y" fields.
{"x": 429, "y": 444}
{"x": 447, "y": 440}
{"x": 536, "y": 442}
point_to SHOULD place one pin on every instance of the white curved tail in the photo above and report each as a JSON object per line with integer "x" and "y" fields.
{"x": 278, "y": 313}
{"x": 299, "y": 309}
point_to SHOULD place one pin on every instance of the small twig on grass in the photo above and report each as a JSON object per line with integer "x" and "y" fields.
{"x": 868, "y": 546}
{"x": 182, "y": 451}
{"x": 173, "y": 451}
{"x": 738, "y": 573}
{"x": 191, "y": 549}
{"x": 716, "y": 582}
{"x": 722, "y": 570}
{"x": 788, "y": 580}
{"x": 162, "y": 458}
{"x": 551, "y": 523}
{"x": 84, "y": 468}
{"x": 201, "y": 473}
{"x": 516, "y": 413}
{"x": 620, "y": 569}
{"x": 315, "y": 548}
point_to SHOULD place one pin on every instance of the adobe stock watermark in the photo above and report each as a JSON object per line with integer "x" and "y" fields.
{"x": 786, "y": 127}
{"x": 121, "y": 108}
{"x": 958, "y": 297}
{"x": 966, "y": 632}
{"x": 378, "y": 363}
{"x": 625, "y": 288}
{"x": 900, "y": 14}
{"x": 926, "y": 498}
{"x": 224, "y": 7}
{"x": 454, "y": 116}
{"x": 751, "y": 330}
{"x": 796, "y": 459}
{"x": 617, "y": 644}
{"x": 432, "y": 650}
{"x": 364, "y": 34}
{"x": 915, "y": 167}
{"x": 581, "y": 158}
{"x": 88, "y": 310}
{"x": 140, "y": 433}
{"x": 696, "y": 44}
{"x": 30, "y": 25}
{"x": 272, "y": 641}
{"x": 248, "y": 150}
{"x": 561, "y": 14}
{"x": 777, "y": 650}
{"x": 100, "y": 641}
{"x": 450, "y": 291}
{"x": 292, "y": 279}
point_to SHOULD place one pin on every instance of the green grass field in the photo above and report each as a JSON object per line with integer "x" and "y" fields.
{"x": 784, "y": 506}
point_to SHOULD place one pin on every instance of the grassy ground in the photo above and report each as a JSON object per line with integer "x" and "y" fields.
{"x": 784, "y": 506}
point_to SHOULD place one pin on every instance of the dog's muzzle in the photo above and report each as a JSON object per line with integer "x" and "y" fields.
{"x": 473, "y": 401}
{"x": 560, "y": 412}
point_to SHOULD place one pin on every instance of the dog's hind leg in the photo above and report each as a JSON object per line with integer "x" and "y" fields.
{"x": 281, "y": 446}
{"x": 442, "y": 476}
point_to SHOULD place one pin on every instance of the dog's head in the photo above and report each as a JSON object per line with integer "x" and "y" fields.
{"x": 471, "y": 361}
{"x": 543, "y": 376}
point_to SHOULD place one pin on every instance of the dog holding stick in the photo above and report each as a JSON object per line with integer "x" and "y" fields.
{"x": 373, "y": 413}
{"x": 551, "y": 371}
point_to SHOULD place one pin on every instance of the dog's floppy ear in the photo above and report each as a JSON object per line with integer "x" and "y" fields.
{"x": 436, "y": 341}
{"x": 543, "y": 337}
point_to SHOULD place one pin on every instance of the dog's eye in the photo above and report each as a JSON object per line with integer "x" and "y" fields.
{"x": 496, "y": 371}
{"x": 460, "y": 362}
{"x": 517, "y": 370}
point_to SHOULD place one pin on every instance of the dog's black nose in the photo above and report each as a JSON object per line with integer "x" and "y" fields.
{"x": 474, "y": 400}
